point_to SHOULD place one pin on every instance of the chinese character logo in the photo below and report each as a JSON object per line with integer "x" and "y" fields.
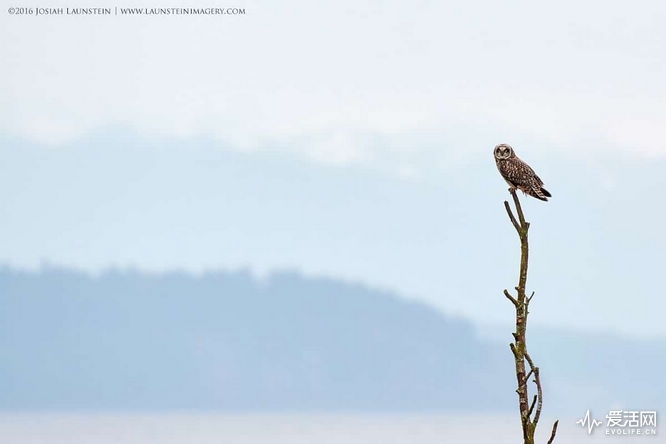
{"x": 624, "y": 422}
{"x": 648, "y": 419}
{"x": 614, "y": 418}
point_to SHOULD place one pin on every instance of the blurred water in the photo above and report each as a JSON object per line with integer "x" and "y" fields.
{"x": 204, "y": 428}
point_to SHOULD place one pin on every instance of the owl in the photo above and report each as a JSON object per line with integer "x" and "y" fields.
{"x": 518, "y": 174}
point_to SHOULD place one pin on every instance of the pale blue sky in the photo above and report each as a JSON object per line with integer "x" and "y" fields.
{"x": 351, "y": 140}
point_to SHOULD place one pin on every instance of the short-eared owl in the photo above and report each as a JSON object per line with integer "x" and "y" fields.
{"x": 518, "y": 174}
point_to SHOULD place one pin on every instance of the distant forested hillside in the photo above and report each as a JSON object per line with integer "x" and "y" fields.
{"x": 227, "y": 340}
{"x": 127, "y": 340}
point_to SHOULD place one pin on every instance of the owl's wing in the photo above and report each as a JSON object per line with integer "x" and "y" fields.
{"x": 537, "y": 178}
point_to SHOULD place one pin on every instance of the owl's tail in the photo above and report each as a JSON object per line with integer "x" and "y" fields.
{"x": 542, "y": 194}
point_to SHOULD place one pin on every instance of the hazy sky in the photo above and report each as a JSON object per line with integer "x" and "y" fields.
{"x": 318, "y": 78}
{"x": 365, "y": 124}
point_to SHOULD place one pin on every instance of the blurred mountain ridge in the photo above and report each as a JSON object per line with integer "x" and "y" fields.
{"x": 125, "y": 339}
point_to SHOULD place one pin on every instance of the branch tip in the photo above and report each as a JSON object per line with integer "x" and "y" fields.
{"x": 514, "y": 222}
{"x": 553, "y": 432}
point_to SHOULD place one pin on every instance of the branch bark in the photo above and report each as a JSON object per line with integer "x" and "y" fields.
{"x": 519, "y": 347}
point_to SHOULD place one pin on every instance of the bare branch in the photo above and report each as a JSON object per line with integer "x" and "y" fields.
{"x": 527, "y": 378}
{"x": 553, "y": 432}
{"x": 518, "y": 347}
{"x": 537, "y": 381}
{"x": 511, "y": 298}
{"x": 529, "y": 299}
{"x": 519, "y": 209}
{"x": 511, "y": 216}
{"x": 513, "y": 349}
{"x": 529, "y": 361}
{"x": 529, "y": 412}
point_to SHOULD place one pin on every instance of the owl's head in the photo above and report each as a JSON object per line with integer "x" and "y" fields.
{"x": 503, "y": 151}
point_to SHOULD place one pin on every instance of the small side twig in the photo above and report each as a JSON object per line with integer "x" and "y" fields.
{"x": 529, "y": 299}
{"x": 511, "y": 298}
{"x": 519, "y": 210}
{"x": 553, "y": 432}
{"x": 539, "y": 394}
{"x": 529, "y": 412}
{"x": 527, "y": 378}
{"x": 511, "y": 216}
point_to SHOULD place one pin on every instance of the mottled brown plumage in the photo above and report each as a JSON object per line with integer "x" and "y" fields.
{"x": 518, "y": 174}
